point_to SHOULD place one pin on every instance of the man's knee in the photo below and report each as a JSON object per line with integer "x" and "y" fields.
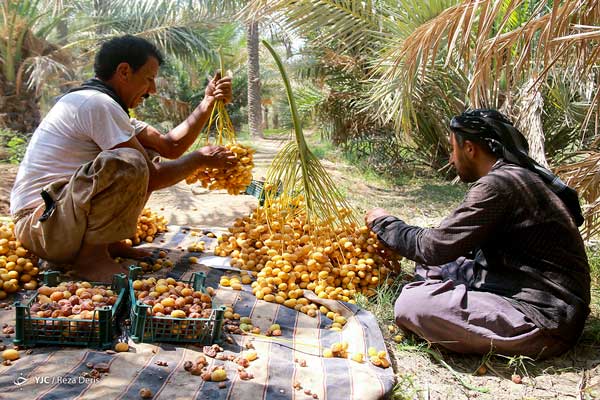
{"x": 420, "y": 302}
{"x": 411, "y": 304}
{"x": 129, "y": 160}
{"x": 127, "y": 166}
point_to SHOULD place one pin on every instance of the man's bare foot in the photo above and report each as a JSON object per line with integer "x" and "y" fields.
{"x": 94, "y": 264}
{"x": 120, "y": 249}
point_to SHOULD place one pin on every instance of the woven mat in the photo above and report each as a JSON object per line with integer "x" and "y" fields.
{"x": 56, "y": 373}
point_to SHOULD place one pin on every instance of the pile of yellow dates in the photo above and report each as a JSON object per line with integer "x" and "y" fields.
{"x": 288, "y": 257}
{"x": 17, "y": 265}
{"x": 148, "y": 226}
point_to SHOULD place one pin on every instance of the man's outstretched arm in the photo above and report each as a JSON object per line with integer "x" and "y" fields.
{"x": 175, "y": 143}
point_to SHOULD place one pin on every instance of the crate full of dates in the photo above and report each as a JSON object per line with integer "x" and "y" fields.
{"x": 71, "y": 313}
{"x": 166, "y": 310}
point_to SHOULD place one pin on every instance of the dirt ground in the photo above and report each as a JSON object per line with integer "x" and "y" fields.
{"x": 8, "y": 172}
{"x": 575, "y": 375}
{"x": 196, "y": 206}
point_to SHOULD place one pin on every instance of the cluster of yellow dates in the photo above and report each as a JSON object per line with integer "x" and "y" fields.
{"x": 234, "y": 179}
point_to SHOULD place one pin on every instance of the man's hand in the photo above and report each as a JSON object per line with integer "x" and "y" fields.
{"x": 219, "y": 89}
{"x": 217, "y": 157}
{"x": 373, "y": 214}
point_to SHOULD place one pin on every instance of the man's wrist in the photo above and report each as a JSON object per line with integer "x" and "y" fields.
{"x": 199, "y": 159}
{"x": 207, "y": 103}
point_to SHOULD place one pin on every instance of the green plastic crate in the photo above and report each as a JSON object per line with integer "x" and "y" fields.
{"x": 98, "y": 332}
{"x": 256, "y": 189}
{"x": 148, "y": 328}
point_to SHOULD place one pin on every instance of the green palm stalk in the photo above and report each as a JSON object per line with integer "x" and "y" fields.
{"x": 297, "y": 172}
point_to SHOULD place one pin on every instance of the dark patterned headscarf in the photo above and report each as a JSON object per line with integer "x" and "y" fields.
{"x": 493, "y": 129}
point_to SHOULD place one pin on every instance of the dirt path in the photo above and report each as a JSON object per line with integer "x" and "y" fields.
{"x": 575, "y": 375}
{"x": 8, "y": 172}
{"x": 183, "y": 204}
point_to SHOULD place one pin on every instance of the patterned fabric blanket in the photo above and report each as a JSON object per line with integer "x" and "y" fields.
{"x": 58, "y": 373}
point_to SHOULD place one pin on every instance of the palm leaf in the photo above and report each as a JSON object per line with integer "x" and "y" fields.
{"x": 336, "y": 23}
{"x": 40, "y": 69}
{"x": 181, "y": 34}
{"x": 584, "y": 176}
{"x": 500, "y": 44}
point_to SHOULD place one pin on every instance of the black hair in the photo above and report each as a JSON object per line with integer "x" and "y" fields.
{"x": 460, "y": 140}
{"x": 129, "y": 49}
{"x": 458, "y": 137}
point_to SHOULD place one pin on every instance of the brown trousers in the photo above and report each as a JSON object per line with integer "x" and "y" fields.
{"x": 99, "y": 204}
{"x": 441, "y": 309}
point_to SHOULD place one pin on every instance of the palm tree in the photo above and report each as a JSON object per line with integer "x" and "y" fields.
{"x": 24, "y": 48}
{"x": 505, "y": 54}
{"x": 506, "y": 48}
{"x": 511, "y": 50}
{"x": 254, "y": 102}
{"x": 31, "y": 52}
{"x": 498, "y": 45}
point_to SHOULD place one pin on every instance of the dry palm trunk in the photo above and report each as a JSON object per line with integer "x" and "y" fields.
{"x": 529, "y": 120}
{"x": 20, "y": 112}
{"x": 254, "y": 103}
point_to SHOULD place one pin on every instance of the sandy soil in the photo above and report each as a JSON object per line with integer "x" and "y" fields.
{"x": 187, "y": 205}
{"x": 7, "y": 178}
